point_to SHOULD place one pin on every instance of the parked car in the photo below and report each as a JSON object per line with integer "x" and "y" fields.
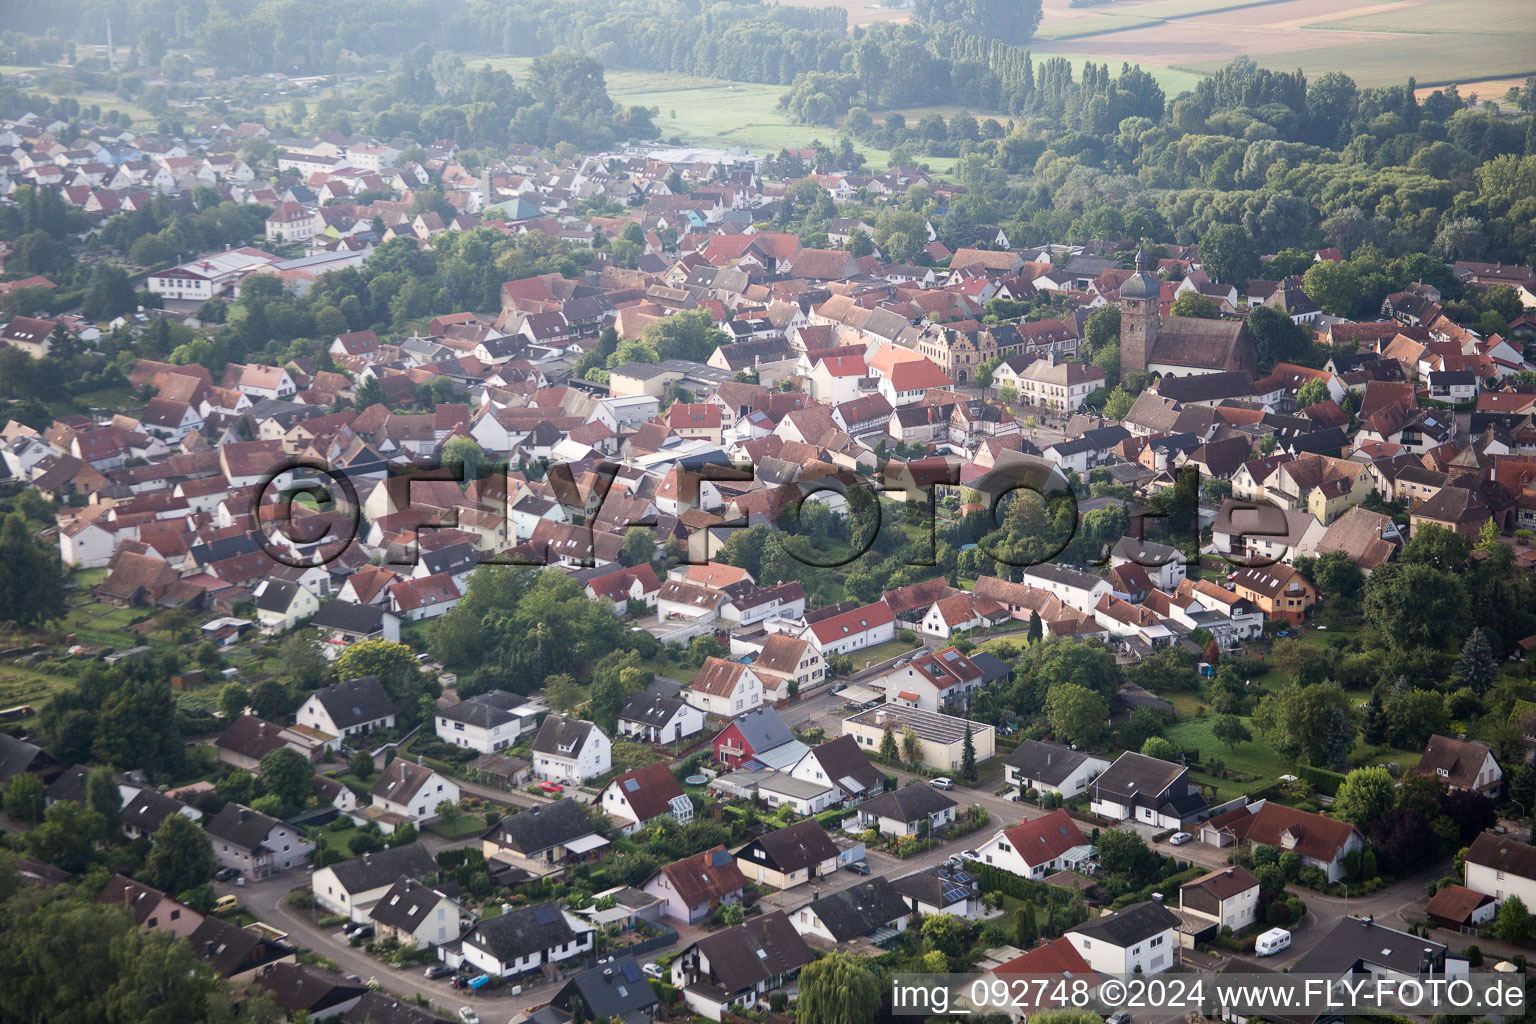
{"x": 438, "y": 971}
{"x": 551, "y": 787}
{"x": 225, "y": 874}
{"x": 942, "y": 783}
{"x": 839, "y": 687}
{"x": 362, "y": 931}
{"x": 970, "y": 855}
{"x": 1118, "y": 1018}
{"x": 468, "y": 1015}
{"x": 859, "y": 867}
{"x": 651, "y": 970}
{"x": 1180, "y": 838}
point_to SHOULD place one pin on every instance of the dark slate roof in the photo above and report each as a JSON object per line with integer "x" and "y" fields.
{"x": 70, "y": 785}
{"x": 276, "y": 596}
{"x": 381, "y": 1008}
{"x": 910, "y": 803}
{"x": 486, "y": 710}
{"x": 241, "y": 826}
{"x": 939, "y": 886}
{"x": 148, "y": 810}
{"x": 1047, "y": 762}
{"x": 1137, "y": 777}
{"x": 801, "y": 845}
{"x": 522, "y": 931}
{"x": 539, "y": 828}
{"x": 1353, "y": 941}
{"x": 860, "y": 909}
{"x": 1135, "y": 923}
{"x": 755, "y": 951}
{"x": 613, "y": 989}
{"x": 230, "y": 950}
{"x": 16, "y": 756}
{"x": 561, "y": 736}
{"x": 355, "y": 702}
{"x": 650, "y": 708}
{"x": 349, "y": 617}
{"x": 406, "y": 905}
{"x": 764, "y": 730}
{"x": 372, "y": 870}
{"x": 306, "y": 987}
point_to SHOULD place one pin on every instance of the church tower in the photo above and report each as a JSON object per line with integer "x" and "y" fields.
{"x": 1138, "y": 317}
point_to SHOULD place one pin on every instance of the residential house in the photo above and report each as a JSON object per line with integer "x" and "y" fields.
{"x": 1463, "y": 764}
{"x": 756, "y": 740}
{"x": 487, "y": 722}
{"x": 308, "y": 989}
{"x": 841, "y": 764}
{"x": 1148, "y": 790}
{"x": 417, "y": 916}
{"x": 152, "y": 909}
{"x": 653, "y": 717}
{"x": 695, "y": 887}
{"x": 570, "y": 751}
{"x": 541, "y": 840}
{"x": 1138, "y": 939}
{"x": 642, "y": 795}
{"x": 942, "y": 889}
{"x": 1051, "y": 768}
{"x": 412, "y": 791}
{"x": 1279, "y": 591}
{"x": 525, "y": 939}
{"x": 789, "y": 856}
{"x": 280, "y": 605}
{"x": 1228, "y": 898}
{"x": 357, "y": 707}
{"x": 787, "y": 665}
{"x": 351, "y": 887}
{"x": 1034, "y": 849}
{"x": 256, "y": 845}
{"x": 740, "y": 966}
{"x": 912, "y": 810}
{"x": 614, "y": 990}
{"x": 938, "y": 680}
{"x": 871, "y": 909}
{"x": 1322, "y": 842}
{"x": 725, "y": 688}
{"x": 1501, "y": 866}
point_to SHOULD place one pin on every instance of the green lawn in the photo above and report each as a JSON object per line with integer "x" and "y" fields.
{"x": 880, "y": 652}
{"x": 1254, "y": 759}
{"x": 463, "y": 825}
{"x": 20, "y": 684}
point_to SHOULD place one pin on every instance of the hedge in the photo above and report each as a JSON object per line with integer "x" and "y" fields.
{"x": 1323, "y": 780}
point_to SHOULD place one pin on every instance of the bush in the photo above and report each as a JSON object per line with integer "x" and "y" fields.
{"x": 1474, "y": 956}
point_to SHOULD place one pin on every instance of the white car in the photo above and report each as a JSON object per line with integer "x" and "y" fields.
{"x": 468, "y": 1015}
{"x": 1180, "y": 838}
{"x": 651, "y": 970}
{"x": 942, "y": 783}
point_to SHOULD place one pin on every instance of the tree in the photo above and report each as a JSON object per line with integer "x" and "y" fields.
{"x": 1076, "y": 714}
{"x": 1478, "y": 665}
{"x": 289, "y": 775}
{"x": 465, "y": 458}
{"x": 1311, "y": 393}
{"x": 181, "y": 856}
{"x": 1118, "y": 405}
{"x": 1229, "y": 254}
{"x": 301, "y": 661}
{"x": 67, "y": 836}
{"x": 639, "y": 545}
{"x": 888, "y": 750}
{"x": 838, "y": 989}
{"x": 1402, "y": 840}
{"x": 396, "y": 669}
{"x": 1230, "y": 730}
{"x": 1025, "y": 928}
{"x": 1276, "y": 337}
{"x": 563, "y": 693}
{"x": 31, "y": 577}
{"x": 1036, "y": 628}
{"x": 1193, "y": 304}
{"x": 103, "y": 797}
{"x": 911, "y": 747}
{"x": 361, "y": 765}
{"x": 1337, "y": 576}
{"x": 1415, "y": 604}
{"x": 1364, "y": 795}
{"x": 233, "y": 700}
{"x": 1160, "y": 748}
{"x": 1472, "y": 813}
{"x": 968, "y": 757}
{"x": 1512, "y": 923}
{"x": 270, "y": 700}
{"x": 24, "y": 798}
{"x": 447, "y": 812}
{"x": 1123, "y": 852}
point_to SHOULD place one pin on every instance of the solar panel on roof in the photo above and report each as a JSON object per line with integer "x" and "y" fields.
{"x": 632, "y": 785}
{"x": 631, "y": 972}
{"x": 719, "y": 857}
{"x": 545, "y": 914}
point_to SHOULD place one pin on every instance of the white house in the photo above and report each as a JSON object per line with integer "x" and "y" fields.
{"x": 526, "y": 938}
{"x": 1051, "y": 768}
{"x": 346, "y": 709}
{"x": 853, "y": 630}
{"x": 638, "y": 797}
{"x": 85, "y": 544}
{"x": 255, "y": 844}
{"x": 351, "y": 887}
{"x": 1228, "y": 898}
{"x": 1034, "y": 849}
{"x": 1079, "y": 590}
{"x": 1138, "y": 939}
{"x": 909, "y": 811}
{"x": 652, "y": 717}
{"x": 487, "y": 722}
{"x": 1500, "y": 866}
{"x": 725, "y": 688}
{"x": 412, "y": 790}
{"x": 417, "y": 915}
{"x": 280, "y": 605}
{"x": 570, "y": 751}
{"x": 1152, "y": 791}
